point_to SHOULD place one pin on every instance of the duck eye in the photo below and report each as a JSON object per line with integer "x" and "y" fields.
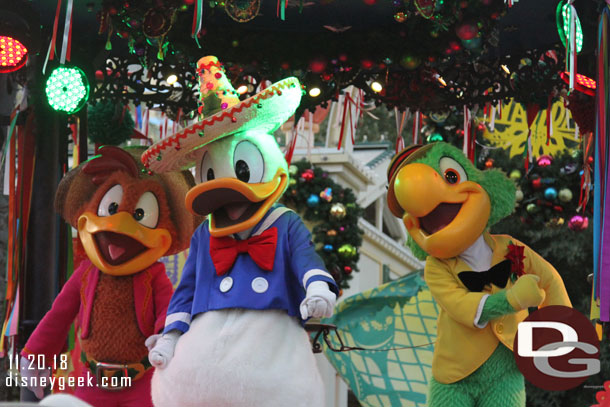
{"x": 452, "y": 171}
{"x": 147, "y": 210}
{"x": 242, "y": 171}
{"x": 109, "y": 205}
{"x": 206, "y": 172}
{"x": 248, "y": 162}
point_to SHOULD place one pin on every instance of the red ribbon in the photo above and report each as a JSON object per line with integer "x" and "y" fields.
{"x": 55, "y": 23}
{"x": 346, "y": 103}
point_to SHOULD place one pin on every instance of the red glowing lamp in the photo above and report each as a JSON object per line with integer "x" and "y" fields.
{"x": 13, "y": 54}
{"x": 583, "y": 83}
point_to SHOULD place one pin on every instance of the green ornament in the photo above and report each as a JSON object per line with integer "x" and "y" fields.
{"x": 293, "y": 170}
{"x": 292, "y": 182}
{"x": 532, "y": 208}
{"x": 347, "y": 251}
{"x": 434, "y": 137}
{"x": 565, "y": 195}
{"x": 515, "y": 175}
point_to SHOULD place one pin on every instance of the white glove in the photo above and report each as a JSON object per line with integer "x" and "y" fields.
{"x": 151, "y": 341}
{"x": 319, "y": 301}
{"x": 28, "y": 372}
{"x": 163, "y": 348}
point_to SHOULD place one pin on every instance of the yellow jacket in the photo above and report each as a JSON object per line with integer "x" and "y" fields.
{"x": 461, "y": 347}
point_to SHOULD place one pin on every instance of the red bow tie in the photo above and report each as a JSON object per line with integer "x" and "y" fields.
{"x": 261, "y": 248}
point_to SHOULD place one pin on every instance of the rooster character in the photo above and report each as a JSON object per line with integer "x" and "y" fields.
{"x": 483, "y": 283}
{"x": 126, "y": 220}
{"x": 233, "y": 335}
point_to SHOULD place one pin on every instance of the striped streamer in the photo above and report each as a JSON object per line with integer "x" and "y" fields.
{"x": 197, "y": 20}
{"x": 601, "y": 224}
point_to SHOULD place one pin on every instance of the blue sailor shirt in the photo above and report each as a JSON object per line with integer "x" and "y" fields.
{"x": 246, "y": 285}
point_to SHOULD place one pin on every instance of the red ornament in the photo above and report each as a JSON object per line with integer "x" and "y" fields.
{"x": 342, "y": 57}
{"x": 578, "y": 223}
{"x": 347, "y": 269}
{"x": 537, "y": 183}
{"x": 308, "y": 175}
{"x": 285, "y": 66}
{"x": 317, "y": 65}
{"x": 466, "y": 31}
{"x": 544, "y": 160}
{"x": 13, "y": 54}
{"x": 370, "y": 2}
{"x": 489, "y": 163}
{"x": 455, "y": 46}
{"x": 366, "y": 64}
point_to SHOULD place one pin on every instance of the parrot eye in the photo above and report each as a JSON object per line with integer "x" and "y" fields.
{"x": 248, "y": 163}
{"x": 109, "y": 205}
{"x": 452, "y": 171}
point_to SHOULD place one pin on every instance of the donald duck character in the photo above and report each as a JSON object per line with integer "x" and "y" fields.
{"x": 233, "y": 334}
{"x": 483, "y": 283}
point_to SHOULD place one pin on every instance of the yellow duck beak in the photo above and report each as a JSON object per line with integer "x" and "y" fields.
{"x": 234, "y": 205}
{"x": 119, "y": 245}
{"x": 444, "y": 219}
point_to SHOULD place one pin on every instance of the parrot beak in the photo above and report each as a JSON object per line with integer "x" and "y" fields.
{"x": 444, "y": 219}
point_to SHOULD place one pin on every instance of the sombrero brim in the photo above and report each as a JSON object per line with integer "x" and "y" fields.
{"x": 265, "y": 111}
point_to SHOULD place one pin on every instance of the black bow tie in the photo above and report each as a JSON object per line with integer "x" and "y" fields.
{"x": 497, "y": 275}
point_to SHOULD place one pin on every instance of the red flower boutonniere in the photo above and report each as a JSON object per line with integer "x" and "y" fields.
{"x": 515, "y": 255}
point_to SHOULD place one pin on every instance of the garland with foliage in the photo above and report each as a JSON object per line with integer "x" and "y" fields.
{"x": 334, "y": 213}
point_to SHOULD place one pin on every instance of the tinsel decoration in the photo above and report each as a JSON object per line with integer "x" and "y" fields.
{"x": 337, "y": 238}
{"x": 109, "y": 123}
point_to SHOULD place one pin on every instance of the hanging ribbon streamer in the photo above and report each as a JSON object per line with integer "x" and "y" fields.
{"x": 67, "y": 41}
{"x": 466, "y": 132}
{"x": 601, "y": 235}
{"x": 531, "y": 110}
{"x": 492, "y": 121}
{"x": 281, "y": 9}
{"x": 347, "y": 116}
{"x": 197, "y": 21}
{"x": 549, "y": 121}
{"x": 293, "y": 142}
{"x": 400, "y": 124}
{"x": 417, "y": 119}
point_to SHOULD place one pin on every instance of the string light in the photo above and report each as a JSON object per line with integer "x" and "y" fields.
{"x": 242, "y": 89}
{"x": 564, "y": 13}
{"x": 67, "y": 89}
{"x": 376, "y": 86}
{"x": 505, "y": 69}
{"x": 314, "y": 92}
{"x": 171, "y": 79}
{"x": 13, "y": 54}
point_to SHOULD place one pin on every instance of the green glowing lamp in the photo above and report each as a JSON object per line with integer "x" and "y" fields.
{"x": 434, "y": 137}
{"x": 563, "y": 15}
{"x": 67, "y": 89}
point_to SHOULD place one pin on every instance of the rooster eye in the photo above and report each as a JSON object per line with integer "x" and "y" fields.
{"x": 109, "y": 205}
{"x": 147, "y": 210}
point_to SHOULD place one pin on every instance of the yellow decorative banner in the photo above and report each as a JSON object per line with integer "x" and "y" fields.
{"x": 510, "y": 131}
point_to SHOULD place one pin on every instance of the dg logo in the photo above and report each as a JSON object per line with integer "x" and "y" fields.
{"x": 556, "y": 348}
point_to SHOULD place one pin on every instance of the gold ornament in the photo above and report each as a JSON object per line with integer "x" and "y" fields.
{"x": 338, "y": 211}
{"x": 331, "y": 232}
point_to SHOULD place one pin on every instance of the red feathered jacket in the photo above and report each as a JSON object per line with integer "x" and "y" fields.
{"x": 152, "y": 291}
